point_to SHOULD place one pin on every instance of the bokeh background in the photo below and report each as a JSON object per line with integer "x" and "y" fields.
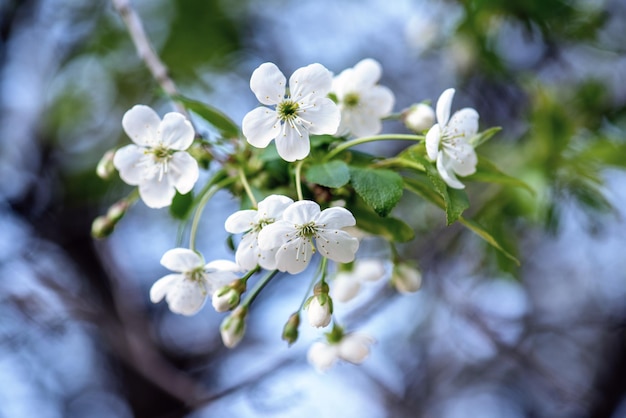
{"x": 483, "y": 338}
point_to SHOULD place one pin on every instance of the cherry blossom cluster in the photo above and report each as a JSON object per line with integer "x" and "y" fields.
{"x": 284, "y": 233}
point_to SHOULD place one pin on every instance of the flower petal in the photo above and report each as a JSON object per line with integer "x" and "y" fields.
{"x": 313, "y": 79}
{"x": 354, "y": 348}
{"x": 293, "y": 144}
{"x": 379, "y": 101}
{"x": 157, "y": 193}
{"x": 321, "y": 116}
{"x": 186, "y": 297}
{"x": 273, "y": 206}
{"x": 443, "y": 107}
{"x": 162, "y": 286}
{"x": 433, "y": 138}
{"x": 345, "y": 287}
{"x": 336, "y": 218}
{"x": 268, "y": 84}
{"x": 182, "y": 260}
{"x": 274, "y": 235}
{"x": 446, "y": 173}
{"x": 141, "y": 124}
{"x": 369, "y": 269}
{"x": 240, "y": 221}
{"x": 463, "y": 124}
{"x": 183, "y": 170}
{"x": 302, "y": 212}
{"x": 295, "y": 255}
{"x": 367, "y": 72}
{"x": 176, "y": 132}
{"x": 260, "y": 126}
{"x": 462, "y": 159}
{"x": 322, "y": 356}
{"x": 222, "y": 265}
{"x": 337, "y": 245}
{"x": 247, "y": 253}
{"x": 129, "y": 161}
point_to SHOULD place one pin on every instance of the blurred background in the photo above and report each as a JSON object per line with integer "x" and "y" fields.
{"x": 483, "y": 338}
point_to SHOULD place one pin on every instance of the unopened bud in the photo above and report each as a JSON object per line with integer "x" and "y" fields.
{"x": 419, "y": 117}
{"x": 406, "y": 279}
{"x": 102, "y": 227}
{"x": 290, "y": 330}
{"x": 117, "y": 210}
{"x": 233, "y": 327}
{"x": 201, "y": 152}
{"x": 320, "y": 309}
{"x": 225, "y": 299}
{"x": 105, "y": 167}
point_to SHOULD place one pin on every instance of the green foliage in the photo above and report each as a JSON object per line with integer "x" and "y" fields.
{"x": 393, "y": 229}
{"x": 181, "y": 205}
{"x": 487, "y": 172}
{"x": 381, "y": 189}
{"x": 332, "y": 174}
{"x": 226, "y": 127}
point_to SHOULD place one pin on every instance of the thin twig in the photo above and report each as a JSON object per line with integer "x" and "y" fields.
{"x": 146, "y": 52}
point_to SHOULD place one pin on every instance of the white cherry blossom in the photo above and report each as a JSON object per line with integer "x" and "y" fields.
{"x": 302, "y": 222}
{"x": 300, "y": 110}
{"x": 447, "y": 142}
{"x": 353, "y": 348}
{"x": 347, "y": 284}
{"x": 157, "y": 161}
{"x": 251, "y": 222}
{"x": 186, "y": 290}
{"x": 362, "y": 102}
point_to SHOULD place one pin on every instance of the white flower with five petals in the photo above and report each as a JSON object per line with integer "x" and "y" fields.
{"x": 157, "y": 161}
{"x": 186, "y": 291}
{"x": 251, "y": 222}
{"x": 353, "y": 348}
{"x": 302, "y": 222}
{"x": 300, "y": 110}
{"x": 362, "y": 102}
{"x": 447, "y": 142}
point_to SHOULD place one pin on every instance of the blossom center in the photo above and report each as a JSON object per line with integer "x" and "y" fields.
{"x": 307, "y": 230}
{"x": 263, "y": 223}
{"x": 352, "y": 100}
{"x": 287, "y": 110}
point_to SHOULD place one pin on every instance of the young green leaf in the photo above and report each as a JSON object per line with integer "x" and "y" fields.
{"x": 332, "y": 174}
{"x": 484, "y": 136}
{"x": 482, "y": 232}
{"x": 389, "y": 228}
{"x": 487, "y": 172}
{"x": 381, "y": 189}
{"x": 221, "y": 122}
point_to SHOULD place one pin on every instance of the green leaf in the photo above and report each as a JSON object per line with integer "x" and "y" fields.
{"x": 487, "y": 172}
{"x": 482, "y": 232}
{"x": 332, "y": 174}
{"x": 455, "y": 200}
{"x": 390, "y": 228}
{"x": 221, "y": 122}
{"x": 484, "y": 136}
{"x": 181, "y": 205}
{"x": 420, "y": 187}
{"x": 381, "y": 189}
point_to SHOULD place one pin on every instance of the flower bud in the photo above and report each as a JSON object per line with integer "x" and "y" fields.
{"x": 105, "y": 167}
{"x": 102, "y": 227}
{"x": 233, "y": 327}
{"x": 117, "y": 210}
{"x": 419, "y": 117}
{"x": 320, "y": 310}
{"x": 406, "y": 279}
{"x": 290, "y": 331}
{"x": 225, "y": 299}
{"x": 345, "y": 286}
